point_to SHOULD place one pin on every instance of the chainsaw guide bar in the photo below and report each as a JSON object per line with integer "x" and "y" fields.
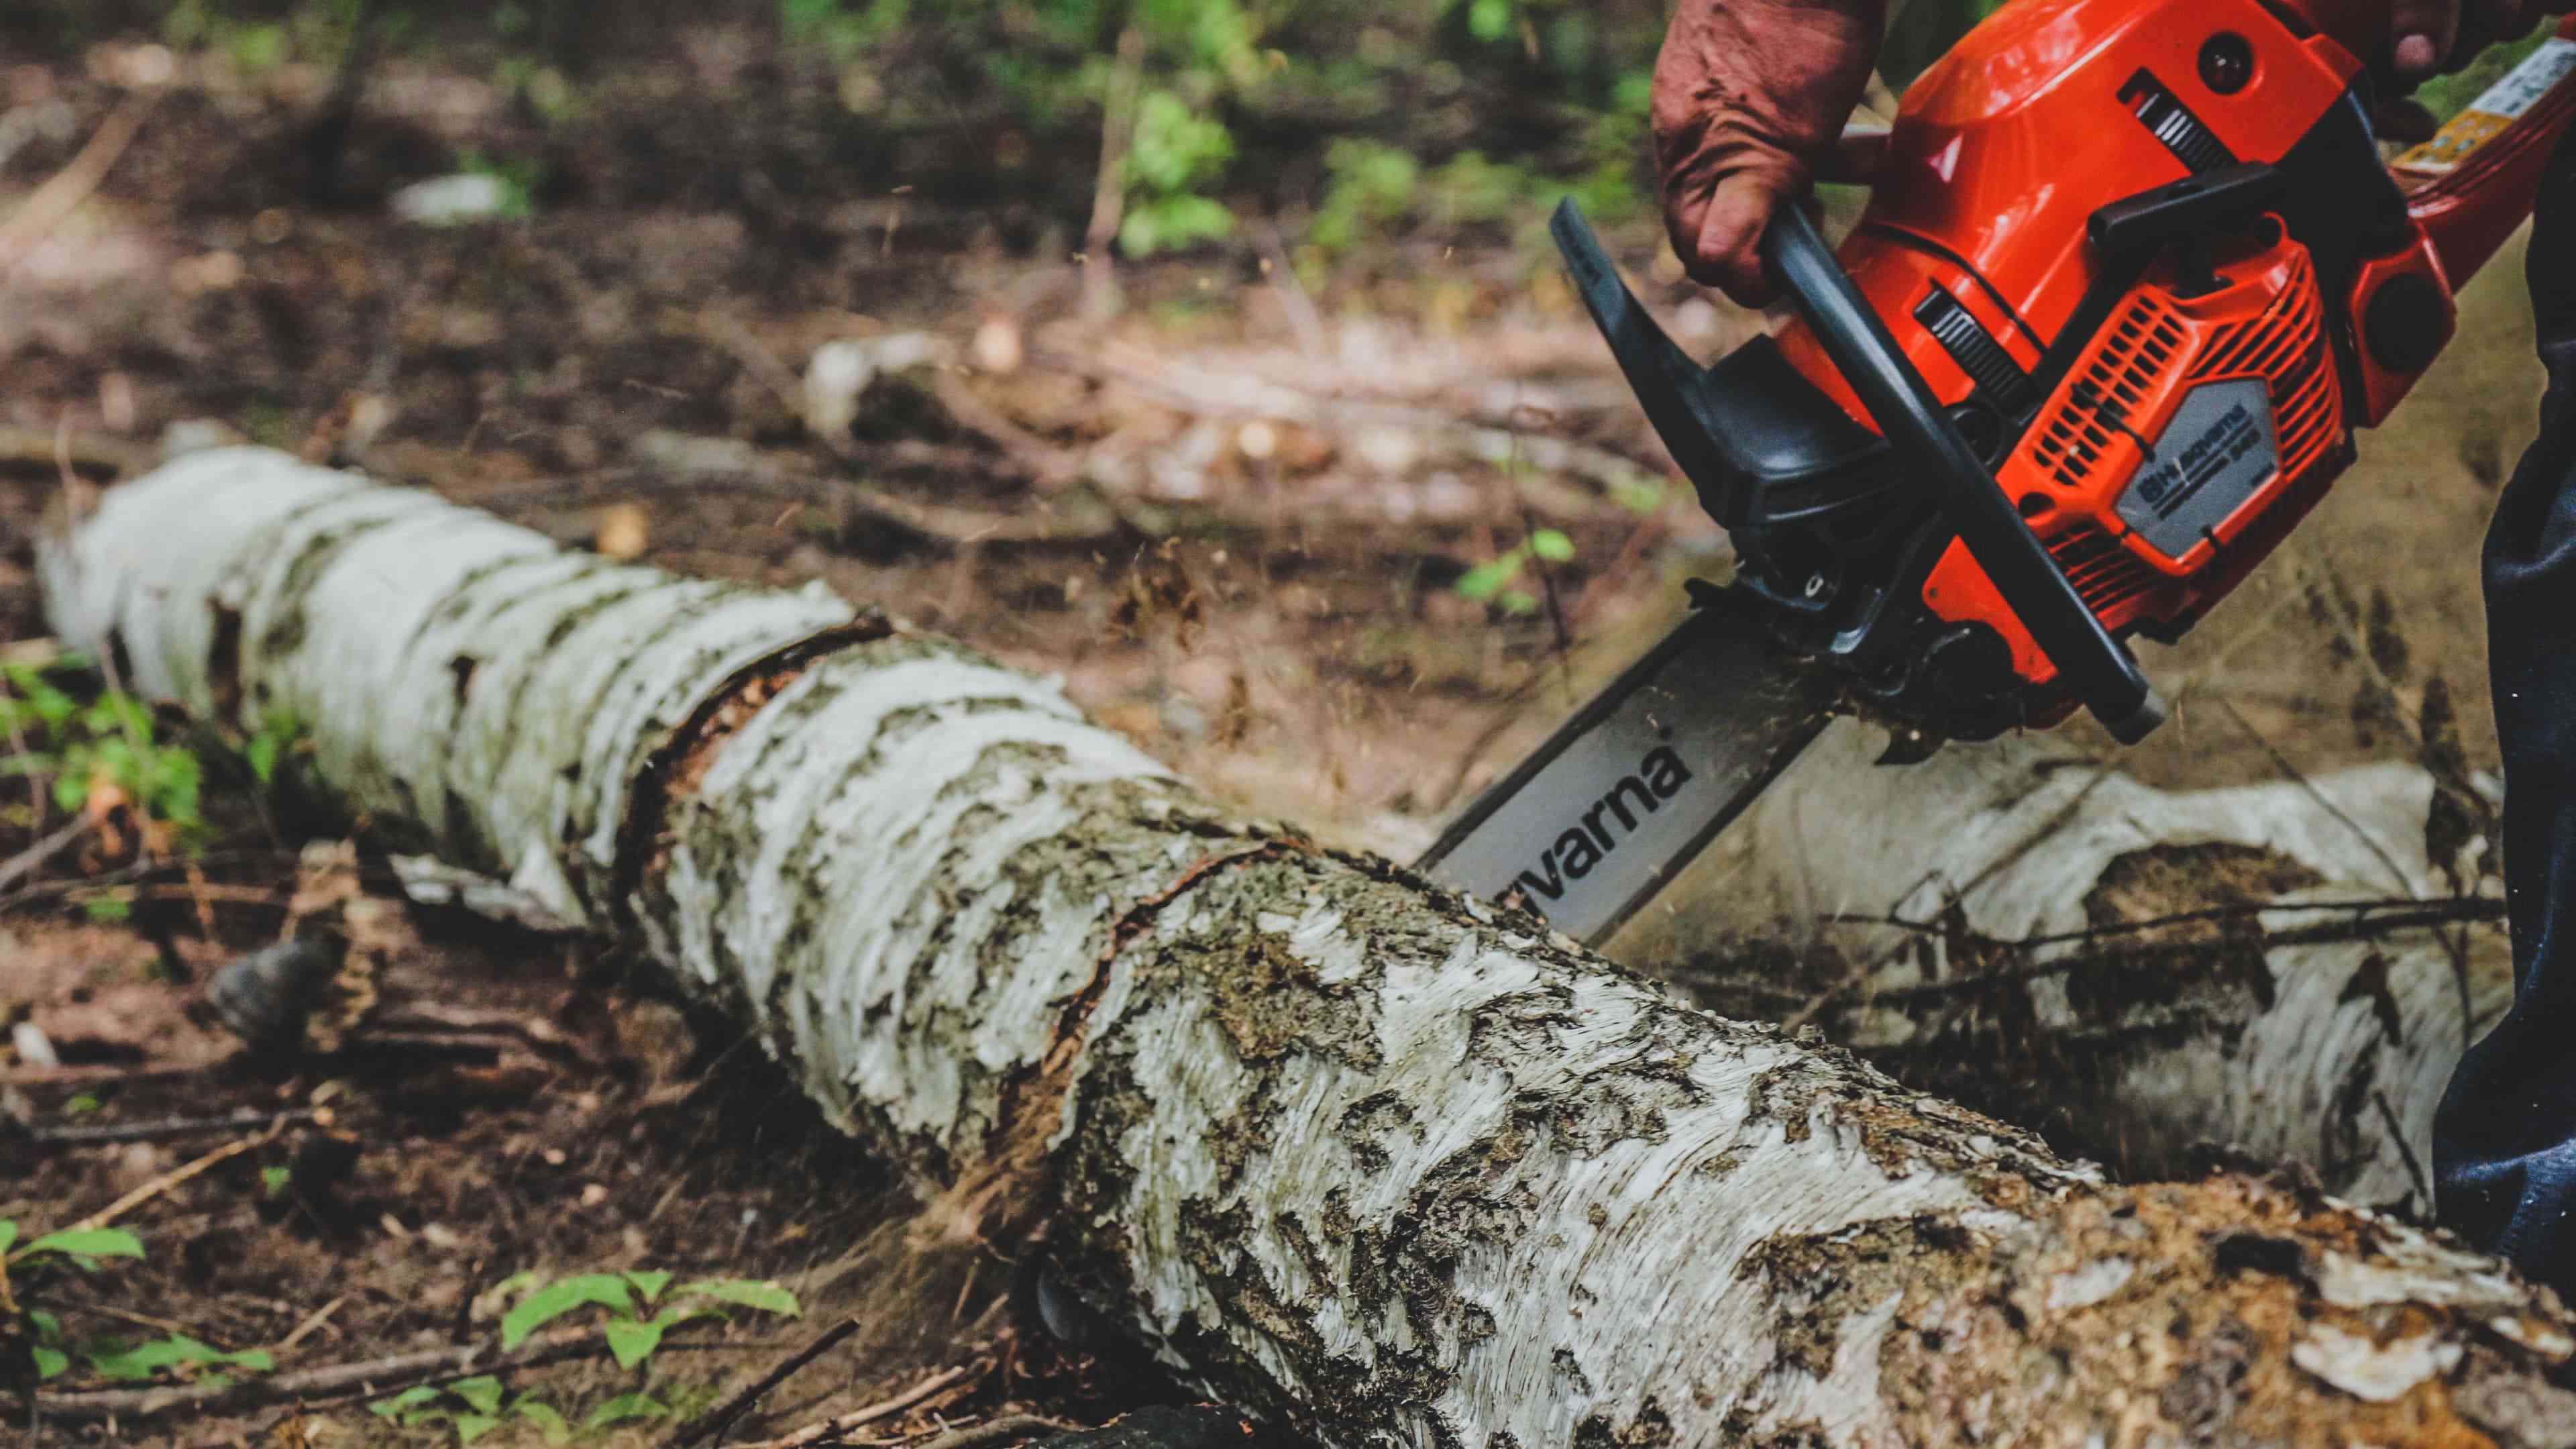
{"x": 1605, "y": 813}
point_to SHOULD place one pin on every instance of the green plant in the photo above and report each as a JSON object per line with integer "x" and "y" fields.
{"x": 1174, "y": 153}
{"x": 633, "y": 1337}
{"x": 51, "y": 1350}
{"x": 87, "y": 749}
{"x": 1491, "y": 582}
{"x": 473, "y": 1407}
{"x": 279, "y": 734}
{"x": 1375, "y": 189}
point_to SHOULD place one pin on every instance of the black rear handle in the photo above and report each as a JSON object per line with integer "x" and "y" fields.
{"x": 2100, "y": 668}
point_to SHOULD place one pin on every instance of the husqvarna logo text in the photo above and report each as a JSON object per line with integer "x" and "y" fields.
{"x": 1598, "y": 831}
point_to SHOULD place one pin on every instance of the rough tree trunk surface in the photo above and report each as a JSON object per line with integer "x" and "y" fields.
{"x": 2290, "y": 970}
{"x": 1360, "y": 1153}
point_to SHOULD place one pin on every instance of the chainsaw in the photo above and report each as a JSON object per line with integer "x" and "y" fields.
{"x": 2131, "y": 276}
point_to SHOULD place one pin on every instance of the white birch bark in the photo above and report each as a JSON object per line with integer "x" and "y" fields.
{"x": 1352, "y": 1151}
{"x": 2267, "y": 1019}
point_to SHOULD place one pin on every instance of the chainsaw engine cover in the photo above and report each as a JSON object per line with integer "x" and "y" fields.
{"x": 2159, "y": 307}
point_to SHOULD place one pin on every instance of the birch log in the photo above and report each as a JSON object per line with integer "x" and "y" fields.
{"x": 1355, "y": 1152}
{"x": 2285, "y": 970}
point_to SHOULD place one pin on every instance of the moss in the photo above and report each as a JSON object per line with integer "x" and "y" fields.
{"x": 286, "y": 629}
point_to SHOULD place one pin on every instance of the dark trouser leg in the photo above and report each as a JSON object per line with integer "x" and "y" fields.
{"x": 2504, "y": 1144}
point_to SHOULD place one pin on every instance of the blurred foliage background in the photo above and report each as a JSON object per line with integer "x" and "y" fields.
{"x": 1356, "y": 119}
{"x": 1347, "y": 120}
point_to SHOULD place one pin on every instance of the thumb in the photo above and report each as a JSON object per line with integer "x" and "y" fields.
{"x": 2422, "y": 33}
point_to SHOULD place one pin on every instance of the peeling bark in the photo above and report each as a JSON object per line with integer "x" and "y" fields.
{"x": 2158, "y": 972}
{"x": 1353, "y": 1151}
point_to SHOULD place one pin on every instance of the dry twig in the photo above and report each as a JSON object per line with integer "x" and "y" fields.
{"x": 714, "y": 1424}
{"x": 32, "y": 859}
{"x": 842, "y": 1424}
{"x": 41, "y": 212}
{"x": 994, "y": 1431}
{"x": 169, "y": 1127}
{"x": 171, "y": 1179}
{"x": 371, "y": 1376}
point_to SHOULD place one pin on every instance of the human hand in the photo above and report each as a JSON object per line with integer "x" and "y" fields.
{"x": 1749, "y": 96}
{"x": 2428, "y": 37}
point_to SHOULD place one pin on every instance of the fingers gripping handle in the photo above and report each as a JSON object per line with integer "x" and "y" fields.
{"x": 2099, "y": 667}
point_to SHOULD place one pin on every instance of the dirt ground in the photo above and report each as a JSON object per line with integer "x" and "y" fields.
{"x": 1233, "y": 519}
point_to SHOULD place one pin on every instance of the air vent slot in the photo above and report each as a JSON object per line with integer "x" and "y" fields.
{"x": 2145, "y": 341}
{"x": 2101, "y": 569}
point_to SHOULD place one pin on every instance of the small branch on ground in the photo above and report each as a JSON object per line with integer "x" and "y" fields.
{"x": 368, "y": 1378}
{"x": 389, "y": 1374}
{"x": 1291, "y": 290}
{"x": 842, "y": 1424}
{"x": 994, "y": 1431}
{"x": 168, "y": 1180}
{"x": 41, "y": 212}
{"x": 32, "y": 859}
{"x": 167, "y": 1128}
{"x": 88, "y": 453}
{"x": 714, "y": 1425}
{"x": 1109, "y": 192}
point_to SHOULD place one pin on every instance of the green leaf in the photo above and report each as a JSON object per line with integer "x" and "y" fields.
{"x": 514, "y": 1285}
{"x": 143, "y": 1360}
{"x": 1487, "y": 579}
{"x": 8, "y": 1233}
{"x": 1489, "y": 20}
{"x": 49, "y": 1329}
{"x": 80, "y": 1106}
{"x": 1638, "y": 495}
{"x": 178, "y": 1350}
{"x": 50, "y": 1362}
{"x": 89, "y": 1243}
{"x": 482, "y": 1391}
{"x": 1171, "y": 223}
{"x": 1174, "y": 148}
{"x": 1551, "y": 545}
{"x": 1516, "y": 602}
{"x": 470, "y": 1427}
{"x": 106, "y": 910}
{"x": 649, "y": 1284}
{"x": 273, "y": 1180}
{"x": 624, "y": 1407}
{"x": 549, "y": 1424}
{"x": 410, "y": 1398}
{"x": 765, "y": 1296}
{"x": 557, "y": 1299}
{"x": 632, "y": 1342}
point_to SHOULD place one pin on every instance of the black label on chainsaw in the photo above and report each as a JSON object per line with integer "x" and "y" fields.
{"x": 2218, "y": 449}
{"x": 1594, "y": 834}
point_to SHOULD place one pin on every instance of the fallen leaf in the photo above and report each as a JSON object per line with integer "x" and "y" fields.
{"x": 624, "y": 532}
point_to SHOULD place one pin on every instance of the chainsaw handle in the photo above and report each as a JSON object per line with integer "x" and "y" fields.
{"x": 2104, "y": 674}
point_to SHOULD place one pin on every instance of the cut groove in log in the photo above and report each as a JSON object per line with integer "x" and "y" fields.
{"x": 2144, "y": 973}
{"x": 1351, "y": 1150}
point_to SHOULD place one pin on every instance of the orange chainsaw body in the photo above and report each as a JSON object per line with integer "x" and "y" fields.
{"x": 2161, "y": 431}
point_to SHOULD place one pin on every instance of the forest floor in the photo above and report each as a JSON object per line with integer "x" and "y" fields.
{"x": 1234, "y": 517}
